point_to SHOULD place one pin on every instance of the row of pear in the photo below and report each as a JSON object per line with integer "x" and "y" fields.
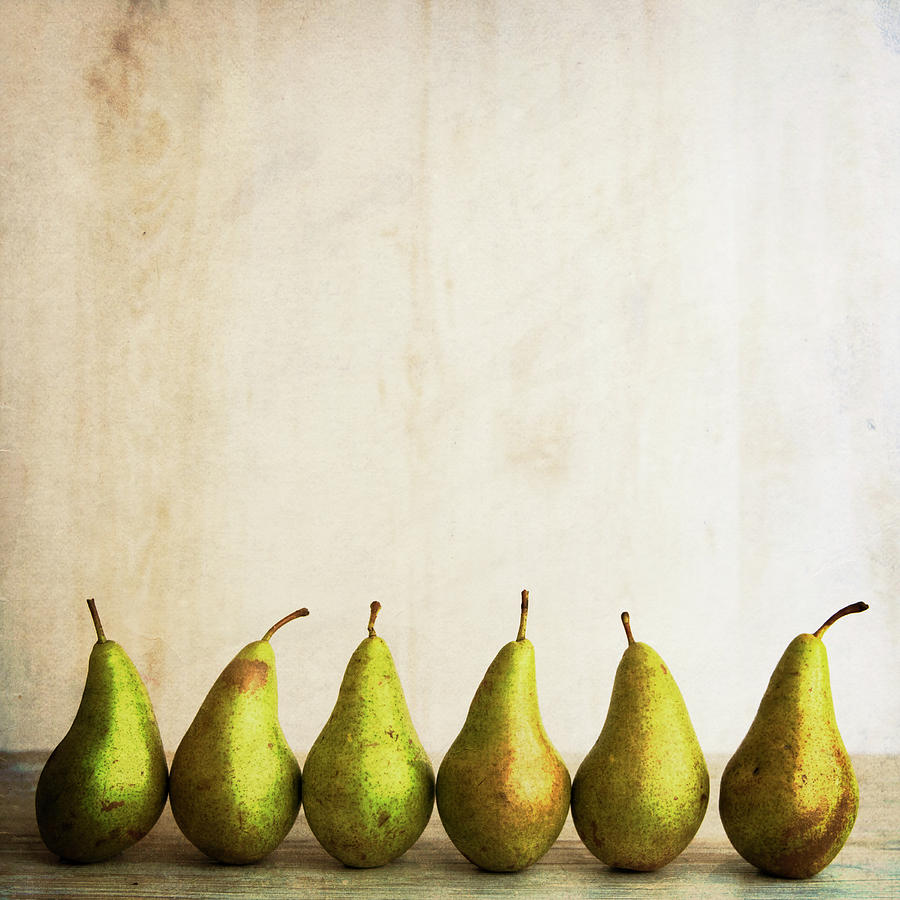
{"x": 788, "y": 797}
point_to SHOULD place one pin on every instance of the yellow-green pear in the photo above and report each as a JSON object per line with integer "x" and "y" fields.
{"x": 502, "y": 788}
{"x": 368, "y": 785}
{"x": 789, "y": 797}
{"x": 640, "y": 794}
{"x": 104, "y": 786}
{"x": 235, "y": 786}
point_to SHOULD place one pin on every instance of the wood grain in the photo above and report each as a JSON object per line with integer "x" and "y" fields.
{"x": 164, "y": 864}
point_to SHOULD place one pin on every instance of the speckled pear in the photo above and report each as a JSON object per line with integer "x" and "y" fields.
{"x": 104, "y": 786}
{"x": 368, "y": 783}
{"x": 502, "y": 788}
{"x": 235, "y": 783}
{"x": 640, "y": 794}
{"x": 789, "y": 797}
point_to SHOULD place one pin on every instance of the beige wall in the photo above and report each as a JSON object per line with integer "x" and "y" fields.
{"x": 318, "y": 303}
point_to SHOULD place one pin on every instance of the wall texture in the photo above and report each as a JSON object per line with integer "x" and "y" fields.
{"x": 314, "y": 303}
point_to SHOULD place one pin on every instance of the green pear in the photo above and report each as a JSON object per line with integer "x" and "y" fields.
{"x": 368, "y": 784}
{"x": 502, "y": 788}
{"x": 640, "y": 794}
{"x": 789, "y": 797}
{"x": 104, "y": 786}
{"x": 235, "y": 783}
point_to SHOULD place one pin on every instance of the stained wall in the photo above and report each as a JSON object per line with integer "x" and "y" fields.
{"x": 315, "y": 304}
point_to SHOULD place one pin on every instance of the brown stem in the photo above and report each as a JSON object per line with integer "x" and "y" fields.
{"x": 523, "y": 618}
{"x": 374, "y": 609}
{"x": 852, "y": 608}
{"x": 296, "y": 614}
{"x": 626, "y": 621}
{"x": 101, "y": 637}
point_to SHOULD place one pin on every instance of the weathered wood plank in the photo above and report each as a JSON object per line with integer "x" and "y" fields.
{"x": 164, "y": 864}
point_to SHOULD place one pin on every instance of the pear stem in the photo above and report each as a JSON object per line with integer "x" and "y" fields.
{"x": 374, "y": 609}
{"x": 626, "y": 621}
{"x": 101, "y": 637}
{"x": 523, "y": 618}
{"x": 296, "y": 614}
{"x": 852, "y": 608}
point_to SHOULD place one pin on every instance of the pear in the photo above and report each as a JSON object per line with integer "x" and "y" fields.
{"x": 641, "y": 792}
{"x": 789, "y": 797}
{"x": 104, "y": 786}
{"x": 368, "y": 783}
{"x": 234, "y": 787}
{"x": 502, "y": 788}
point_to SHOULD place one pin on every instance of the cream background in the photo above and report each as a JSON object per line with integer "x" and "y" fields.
{"x": 319, "y": 303}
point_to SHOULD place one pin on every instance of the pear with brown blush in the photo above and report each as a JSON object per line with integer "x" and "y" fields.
{"x": 502, "y": 787}
{"x": 789, "y": 796}
{"x": 235, "y": 783}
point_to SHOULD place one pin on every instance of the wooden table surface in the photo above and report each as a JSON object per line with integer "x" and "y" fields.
{"x": 164, "y": 864}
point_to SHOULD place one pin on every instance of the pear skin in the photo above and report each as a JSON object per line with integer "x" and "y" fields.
{"x": 502, "y": 788}
{"x": 368, "y": 783}
{"x": 104, "y": 786}
{"x": 789, "y": 797}
{"x": 642, "y": 791}
{"x": 235, "y": 784}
